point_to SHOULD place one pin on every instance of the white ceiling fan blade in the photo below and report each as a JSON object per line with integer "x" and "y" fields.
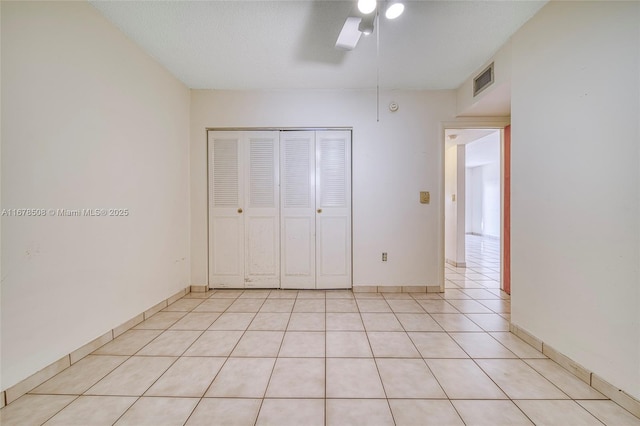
{"x": 349, "y": 36}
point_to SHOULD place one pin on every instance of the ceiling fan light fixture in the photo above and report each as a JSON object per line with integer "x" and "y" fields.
{"x": 366, "y": 6}
{"x": 394, "y": 10}
{"x": 366, "y": 25}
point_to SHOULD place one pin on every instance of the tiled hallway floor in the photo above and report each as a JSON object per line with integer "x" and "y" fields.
{"x": 307, "y": 358}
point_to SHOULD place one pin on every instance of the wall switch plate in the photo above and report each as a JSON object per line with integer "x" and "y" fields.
{"x": 425, "y": 197}
{"x": 453, "y": 197}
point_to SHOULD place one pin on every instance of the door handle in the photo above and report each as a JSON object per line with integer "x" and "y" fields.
{"x": 319, "y": 210}
{"x": 239, "y": 210}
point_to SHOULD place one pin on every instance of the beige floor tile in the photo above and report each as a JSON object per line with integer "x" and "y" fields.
{"x": 344, "y": 321}
{"x": 455, "y": 294}
{"x": 214, "y": 305}
{"x": 390, "y": 344}
{"x": 133, "y": 377}
{"x": 610, "y": 413}
{"x": 128, "y": 343}
{"x": 278, "y": 305}
{"x": 306, "y": 322}
{"x": 396, "y": 296}
{"x": 418, "y": 322}
{"x": 455, "y": 322}
{"x": 490, "y": 322}
{"x": 291, "y": 412}
{"x": 556, "y": 412}
{"x": 498, "y": 306}
{"x": 270, "y": 321}
{"x": 187, "y": 377}
{"x": 199, "y": 295}
{"x": 358, "y": 412}
{"x": 183, "y": 305}
{"x": 348, "y": 344}
{"x": 463, "y": 379}
{"x": 339, "y": 294}
{"x": 405, "y": 306}
{"x": 516, "y": 345}
{"x": 76, "y": 379}
{"x": 214, "y": 343}
{"x": 469, "y": 307}
{"x": 367, "y": 296}
{"x": 341, "y": 305}
{"x": 259, "y": 344}
{"x": 408, "y": 378}
{"x": 233, "y": 321}
{"x": 373, "y": 305}
{"x": 423, "y": 412}
{"x": 196, "y": 321}
{"x": 242, "y": 378}
{"x": 518, "y": 380}
{"x": 92, "y": 410}
{"x": 437, "y": 345}
{"x": 255, "y": 294}
{"x": 480, "y": 294}
{"x": 283, "y": 294}
{"x": 490, "y": 413}
{"x": 353, "y": 378}
{"x": 438, "y": 306}
{"x": 160, "y": 321}
{"x": 309, "y": 305}
{"x": 481, "y": 345}
{"x": 381, "y": 322}
{"x": 170, "y": 343}
{"x": 303, "y": 344}
{"x": 227, "y": 293}
{"x": 567, "y": 382}
{"x": 297, "y": 378}
{"x": 311, "y": 294}
{"x": 33, "y": 409}
{"x": 246, "y": 305}
{"x": 426, "y": 296}
{"x": 225, "y": 411}
{"x": 154, "y": 411}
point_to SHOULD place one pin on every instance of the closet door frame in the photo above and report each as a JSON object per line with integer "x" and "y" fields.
{"x": 345, "y": 283}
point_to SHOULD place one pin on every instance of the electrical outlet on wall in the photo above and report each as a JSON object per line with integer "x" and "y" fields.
{"x": 384, "y": 256}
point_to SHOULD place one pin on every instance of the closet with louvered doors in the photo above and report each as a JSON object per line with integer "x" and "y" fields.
{"x": 315, "y": 209}
{"x": 280, "y": 209}
{"x": 244, "y": 204}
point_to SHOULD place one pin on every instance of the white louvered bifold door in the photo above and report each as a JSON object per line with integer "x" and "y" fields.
{"x": 262, "y": 218}
{"x": 226, "y": 199}
{"x": 333, "y": 209}
{"x": 297, "y": 209}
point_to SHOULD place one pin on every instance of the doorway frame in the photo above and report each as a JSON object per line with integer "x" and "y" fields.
{"x": 471, "y": 123}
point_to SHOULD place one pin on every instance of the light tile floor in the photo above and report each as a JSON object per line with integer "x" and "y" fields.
{"x": 324, "y": 358}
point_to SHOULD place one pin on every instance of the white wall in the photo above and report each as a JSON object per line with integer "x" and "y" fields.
{"x": 483, "y": 186}
{"x": 576, "y": 184}
{"x": 490, "y": 100}
{"x": 450, "y": 207}
{"x": 88, "y": 121}
{"x": 393, "y": 161}
{"x": 475, "y": 201}
{"x": 455, "y": 178}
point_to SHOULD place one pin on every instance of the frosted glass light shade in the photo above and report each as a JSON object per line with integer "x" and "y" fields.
{"x": 366, "y": 6}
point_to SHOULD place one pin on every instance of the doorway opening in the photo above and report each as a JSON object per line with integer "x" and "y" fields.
{"x": 476, "y": 214}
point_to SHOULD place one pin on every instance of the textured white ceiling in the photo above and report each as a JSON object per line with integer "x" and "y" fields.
{"x": 266, "y": 44}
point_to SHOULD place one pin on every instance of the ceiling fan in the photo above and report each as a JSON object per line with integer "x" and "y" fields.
{"x": 362, "y": 21}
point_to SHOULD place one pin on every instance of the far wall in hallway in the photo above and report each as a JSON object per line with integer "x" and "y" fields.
{"x": 482, "y": 213}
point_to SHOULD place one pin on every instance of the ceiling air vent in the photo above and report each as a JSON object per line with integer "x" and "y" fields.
{"x": 483, "y": 80}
